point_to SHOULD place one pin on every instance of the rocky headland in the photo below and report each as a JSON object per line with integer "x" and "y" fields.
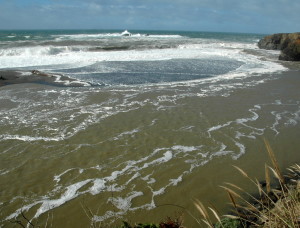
{"x": 288, "y": 43}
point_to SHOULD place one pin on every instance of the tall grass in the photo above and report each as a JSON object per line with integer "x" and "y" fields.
{"x": 274, "y": 207}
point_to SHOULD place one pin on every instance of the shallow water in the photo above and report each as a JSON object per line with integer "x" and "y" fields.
{"x": 126, "y": 151}
{"x": 142, "y": 136}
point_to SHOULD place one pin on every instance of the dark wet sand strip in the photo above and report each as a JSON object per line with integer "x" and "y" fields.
{"x": 9, "y": 77}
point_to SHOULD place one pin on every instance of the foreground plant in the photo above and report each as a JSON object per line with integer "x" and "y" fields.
{"x": 273, "y": 208}
{"x": 168, "y": 223}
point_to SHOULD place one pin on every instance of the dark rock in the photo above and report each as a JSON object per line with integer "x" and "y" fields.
{"x": 291, "y": 52}
{"x": 39, "y": 73}
{"x": 272, "y": 42}
{"x": 288, "y": 43}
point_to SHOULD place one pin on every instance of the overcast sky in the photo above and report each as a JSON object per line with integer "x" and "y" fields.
{"x": 253, "y": 16}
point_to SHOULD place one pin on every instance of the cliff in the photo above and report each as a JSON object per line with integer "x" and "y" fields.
{"x": 288, "y": 43}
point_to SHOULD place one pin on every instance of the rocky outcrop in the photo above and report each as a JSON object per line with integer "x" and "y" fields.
{"x": 288, "y": 43}
{"x": 291, "y": 52}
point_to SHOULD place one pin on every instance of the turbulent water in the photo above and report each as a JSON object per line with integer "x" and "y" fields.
{"x": 150, "y": 115}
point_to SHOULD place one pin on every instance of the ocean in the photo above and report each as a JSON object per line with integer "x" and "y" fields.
{"x": 159, "y": 119}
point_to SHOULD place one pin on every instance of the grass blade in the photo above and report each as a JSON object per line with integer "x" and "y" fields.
{"x": 268, "y": 180}
{"x": 274, "y": 161}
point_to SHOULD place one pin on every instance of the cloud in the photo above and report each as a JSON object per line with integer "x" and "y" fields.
{"x": 211, "y": 15}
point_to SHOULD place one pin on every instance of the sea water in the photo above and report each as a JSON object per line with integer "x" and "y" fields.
{"x": 156, "y": 110}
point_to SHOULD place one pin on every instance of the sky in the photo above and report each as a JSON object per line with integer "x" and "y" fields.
{"x": 245, "y": 16}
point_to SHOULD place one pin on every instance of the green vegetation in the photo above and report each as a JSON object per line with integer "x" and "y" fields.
{"x": 169, "y": 223}
{"x": 146, "y": 225}
{"x": 229, "y": 223}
